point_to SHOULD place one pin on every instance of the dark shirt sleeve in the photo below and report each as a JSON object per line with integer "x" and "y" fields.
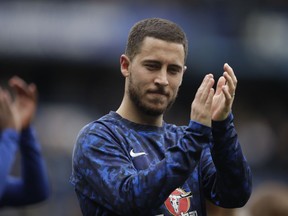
{"x": 226, "y": 175}
{"x": 8, "y": 147}
{"x": 104, "y": 172}
{"x": 32, "y": 187}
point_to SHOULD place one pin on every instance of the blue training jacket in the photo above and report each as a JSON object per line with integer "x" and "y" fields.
{"x": 32, "y": 185}
{"x": 124, "y": 168}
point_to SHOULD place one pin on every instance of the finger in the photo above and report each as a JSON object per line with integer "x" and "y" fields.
{"x": 210, "y": 99}
{"x": 229, "y": 83}
{"x": 33, "y": 91}
{"x": 17, "y": 81}
{"x": 32, "y": 87}
{"x": 230, "y": 78}
{"x": 221, "y": 82}
{"x": 206, "y": 85}
{"x": 230, "y": 72}
{"x": 1, "y": 95}
{"x": 227, "y": 94}
{"x": 18, "y": 85}
{"x": 5, "y": 96}
{"x": 21, "y": 88}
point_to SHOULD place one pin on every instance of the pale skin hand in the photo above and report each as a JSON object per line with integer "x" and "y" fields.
{"x": 7, "y": 119}
{"x": 25, "y": 102}
{"x": 208, "y": 106}
{"x": 202, "y": 103}
{"x": 224, "y": 95}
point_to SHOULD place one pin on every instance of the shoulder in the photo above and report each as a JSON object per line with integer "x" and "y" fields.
{"x": 104, "y": 124}
{"x": 108, "y": 127}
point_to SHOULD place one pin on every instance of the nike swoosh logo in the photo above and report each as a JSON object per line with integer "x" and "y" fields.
{"x": 133, "y": 154}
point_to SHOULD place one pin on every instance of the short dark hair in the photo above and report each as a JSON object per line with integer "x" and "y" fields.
{"x": 157, "y": 28}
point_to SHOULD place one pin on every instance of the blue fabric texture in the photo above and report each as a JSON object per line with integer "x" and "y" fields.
{"x": 32, "y": 186}
{"x": 123, "y": 168}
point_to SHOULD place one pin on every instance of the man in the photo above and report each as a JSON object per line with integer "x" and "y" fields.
{"x": 16, "y": 133}
{"x": 131, "y": 162}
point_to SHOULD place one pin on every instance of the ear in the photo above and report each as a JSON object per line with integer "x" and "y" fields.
{"x": 124, "y": 63}
{"x": 184, "y": 68}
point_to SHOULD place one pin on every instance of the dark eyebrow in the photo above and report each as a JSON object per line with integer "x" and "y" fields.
{"x": 158, "y": 62}
{"x": 152, "y": 61}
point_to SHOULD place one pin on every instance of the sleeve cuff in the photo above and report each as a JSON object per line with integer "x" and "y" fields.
{"x": 199, "y": 129}
{"x": 10, "y": 133}
{"x": 223, "y": 124}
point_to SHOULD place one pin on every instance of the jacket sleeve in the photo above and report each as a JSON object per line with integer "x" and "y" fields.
{"x": 117, "y": 185}
{"x": 32, "y": 186}
{"x": 8, "y": 147}
{"x": 226, "y": 175}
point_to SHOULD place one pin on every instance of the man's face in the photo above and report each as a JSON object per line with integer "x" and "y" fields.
{"x": 155, "y": 75}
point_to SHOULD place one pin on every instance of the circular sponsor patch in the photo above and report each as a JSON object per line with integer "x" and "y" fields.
{"x": 178, "y": 202}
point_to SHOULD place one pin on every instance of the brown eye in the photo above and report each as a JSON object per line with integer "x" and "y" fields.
{"x": 151, "y": 67}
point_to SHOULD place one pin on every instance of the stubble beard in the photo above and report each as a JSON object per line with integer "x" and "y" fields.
{"x": 134, "y": 94}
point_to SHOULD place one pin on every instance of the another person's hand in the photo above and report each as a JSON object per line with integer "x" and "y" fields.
{"x": 25, "y": 101}
{"x": 201, "y": 105}
{"x": 224, "y": 95}
{"x": 7, "y": 117}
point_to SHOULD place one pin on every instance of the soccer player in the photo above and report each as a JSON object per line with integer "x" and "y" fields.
{"x": 132, "y": 162}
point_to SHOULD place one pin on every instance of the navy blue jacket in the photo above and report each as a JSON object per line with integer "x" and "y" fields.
{"x": 123, "y": 168}
{"x": 32, "y": 186}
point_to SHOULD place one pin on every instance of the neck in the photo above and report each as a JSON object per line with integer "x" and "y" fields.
{"x": 130, "y": 112}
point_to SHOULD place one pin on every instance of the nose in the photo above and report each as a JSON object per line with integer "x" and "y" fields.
{"x": 161, "y": 78}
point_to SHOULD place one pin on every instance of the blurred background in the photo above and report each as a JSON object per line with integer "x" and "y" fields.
{"x": 71, "y": 50}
